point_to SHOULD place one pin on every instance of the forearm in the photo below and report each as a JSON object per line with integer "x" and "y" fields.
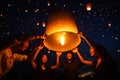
{"x": 87, "y": 62}
{"x": 34, "y": 54}
{"x": 80, "y": 56}
{"x": 32, "y": 57}
{"x": 33, "y": 65}
{"x": 89, "y": 42}
{"x": 29, "y": 37}
{"x": 57, "y": 63}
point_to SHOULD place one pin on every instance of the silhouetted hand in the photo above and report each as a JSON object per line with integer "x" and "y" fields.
{"x": 58, "y": 53}
{"x": 92, "y": 51}
{"x": 44, "y": 36}
{"x": 41, "y": 45}
{"x": 75, "y": 50}
{"x": 81, "y": 34}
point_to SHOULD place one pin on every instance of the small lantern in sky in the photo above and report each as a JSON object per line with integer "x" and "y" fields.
{"x": 48, "y": 4}
{"x": 43, "y": 24}
{"x": 37, "y": 23}
{"x": 88, "y": 6}
{"x": 109, "y": 24}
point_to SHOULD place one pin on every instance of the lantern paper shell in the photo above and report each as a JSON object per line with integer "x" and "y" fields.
{"x": 61, "y": 32}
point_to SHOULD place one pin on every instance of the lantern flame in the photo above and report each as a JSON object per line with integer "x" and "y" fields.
{"x": 62, "y": 40}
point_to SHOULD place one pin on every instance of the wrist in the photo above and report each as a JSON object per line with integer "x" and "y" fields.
{"x": 37, "y": 37}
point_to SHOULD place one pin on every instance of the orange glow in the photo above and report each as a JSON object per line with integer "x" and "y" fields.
{"x": 88, "y": 6}
{"x": 62, "y": 39}
{"x": 61, "y": 31}
{"x": 43, "y": 24}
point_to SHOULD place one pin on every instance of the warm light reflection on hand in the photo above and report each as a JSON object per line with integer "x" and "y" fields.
{"x": 58, "y": 53}
{"x": 75, "y": 50}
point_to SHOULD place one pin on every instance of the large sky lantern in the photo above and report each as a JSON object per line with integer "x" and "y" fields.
{"x": 61, "y": 31}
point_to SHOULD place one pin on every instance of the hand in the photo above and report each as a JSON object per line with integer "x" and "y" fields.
{"x": 44, "y": 36}
{"x": 41, "y": 36}
{"x": 81, "y": 34}
{"x": 58, "y": 53}
{"x": 75, "y": 50}
{"x": 41, "y": 45}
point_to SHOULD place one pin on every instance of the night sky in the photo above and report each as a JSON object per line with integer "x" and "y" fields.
{"x": 101, "y": 24}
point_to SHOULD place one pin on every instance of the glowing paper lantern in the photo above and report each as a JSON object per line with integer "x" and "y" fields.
{"x": 43, "y": 24}
{"x": 61, "y": 32}
{"x": 88, "y": 6}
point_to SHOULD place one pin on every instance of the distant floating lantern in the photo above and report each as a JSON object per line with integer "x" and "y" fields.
{"x": 109, "y": 24}
{"x": 88, "y": 6}
{"x": 37, "y": 23}
{"x": 26, "y": 10}
{"x": 43, "y": 24}
{"x": 61, "y": 32}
